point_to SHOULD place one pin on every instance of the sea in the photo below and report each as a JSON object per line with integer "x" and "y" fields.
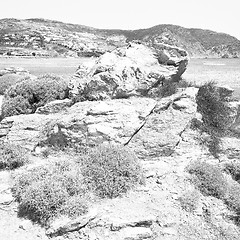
{"x": 224, "y": 72}
{"x": 199, "y": 71}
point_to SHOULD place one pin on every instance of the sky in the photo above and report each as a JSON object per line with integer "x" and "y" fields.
{"x": 216, "y": 15}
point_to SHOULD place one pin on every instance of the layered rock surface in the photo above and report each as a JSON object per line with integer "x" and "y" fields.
{"x": 133, "y": 121}
{"x": 132, "y": 70}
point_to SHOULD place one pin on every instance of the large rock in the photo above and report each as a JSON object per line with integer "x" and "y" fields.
{"x": 131, "y": 70}
{"x": 146, "y": 125}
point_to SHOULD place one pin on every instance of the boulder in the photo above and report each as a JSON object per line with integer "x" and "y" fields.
{"x": 132, "y": 70}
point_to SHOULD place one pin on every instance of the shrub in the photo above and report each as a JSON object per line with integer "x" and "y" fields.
{"x": 46, "y": 191}
{"x": 74, "y": 206}
{"x": 233, "y": 198}
{"x": 16, "y": 106}
{"x": 233, "y": 168}
{"x": 26, "y": 96}
{"x": 189, "y": 200}
{"x": 213, "y": 107}
{"x": 168, "y": 88}
{"x": 111, "y": 170}
{"x": 8, "y": 80}
{"x": 12, "y": 156}
{"x": 42, "y": 200}
{"x": 208, "y": 179}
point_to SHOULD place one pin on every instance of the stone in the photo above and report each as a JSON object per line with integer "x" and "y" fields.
{"x": 6, "y": 199}
{"x": 118, "y": 224}
{"x": 64, "y": 225}
{"x": 132, "y": 70}
{"x": 135, "y": 233}
{"x": 54, "y": 106}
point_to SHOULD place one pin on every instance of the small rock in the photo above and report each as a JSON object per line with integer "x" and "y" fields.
{"x": 64, "y": 225}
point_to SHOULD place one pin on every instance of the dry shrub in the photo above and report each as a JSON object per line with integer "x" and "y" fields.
{"x": 208, "y": 179}
{"x": 26, "y": 96}
{"x": 111, "y": 170}
{"x": 45, "y": 192}
{"x": 12, "y": 156}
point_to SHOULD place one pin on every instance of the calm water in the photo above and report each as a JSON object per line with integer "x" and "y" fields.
{"x": 224, "y": 71}
{"x": 39, "y": 66}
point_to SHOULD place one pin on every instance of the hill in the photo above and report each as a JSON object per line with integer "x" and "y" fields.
{"x": 40, "y": 37}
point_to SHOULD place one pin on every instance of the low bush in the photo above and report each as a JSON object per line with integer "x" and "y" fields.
{"x": 233, "y": 199}
{"x": 47, "y": 191}
{"x": 12, "y": 156}
{"x": 8, "y": 80}
{"x": 233, "y": 168}
{"x": 208, "y": 179}
{"x": 74, "y": 206}
{"x": 213, "y": 107}
{"x": 189, "y": 200}
{"x": 111, "y": 170}
{"x": 26, "y": 96}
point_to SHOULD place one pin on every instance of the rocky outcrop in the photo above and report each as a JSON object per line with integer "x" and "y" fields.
{"x": 132, "y": 70}
{"x": 139, "y": 122}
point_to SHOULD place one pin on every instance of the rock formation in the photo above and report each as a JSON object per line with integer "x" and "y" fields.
{"x": 132, "y": 70}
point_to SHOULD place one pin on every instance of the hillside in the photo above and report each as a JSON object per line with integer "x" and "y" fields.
{"x": 40, "y": 37}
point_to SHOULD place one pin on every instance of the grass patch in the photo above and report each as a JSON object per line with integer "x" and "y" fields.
{"x": 12, "y": 156}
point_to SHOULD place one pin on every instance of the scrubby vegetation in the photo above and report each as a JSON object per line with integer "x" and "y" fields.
{"x": 212, "y": 104}
{"x": 63, "y": 187}
{"x": 45, "y": 191}
{"x": 213, "y": 107}
{"x": 208, "y": 179}
{"x": 26, "y": 96}
{"x": 189, "y": 200}
{"x": 169, "y": 88}
{"x": 111, "y": 170}
{"x": 12, "y": 156}
{"x": 8, "y": 80}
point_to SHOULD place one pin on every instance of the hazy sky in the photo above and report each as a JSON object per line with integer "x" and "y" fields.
{"x": 217, "y": 15}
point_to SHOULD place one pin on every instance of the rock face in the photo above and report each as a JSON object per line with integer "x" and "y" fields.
{"x": 138, "y": 122}
{"x": 132, "y": 70}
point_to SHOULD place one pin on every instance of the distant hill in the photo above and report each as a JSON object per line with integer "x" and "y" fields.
{"x": 41, "y": 37}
